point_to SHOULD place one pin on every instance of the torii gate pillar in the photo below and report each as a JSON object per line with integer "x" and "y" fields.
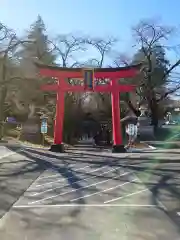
{"x": 114, "y": 74}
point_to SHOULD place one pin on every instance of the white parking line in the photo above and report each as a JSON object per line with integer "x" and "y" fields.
{"x": 74, "y": 190}
{"x": 105, "y": 190}
{"x": 8, "y": 155}
{"x": 85, "y": 179}
{"x": 128, "y": 195}
{"x": 82, "y": 205}
{"x": 60, "y": 180}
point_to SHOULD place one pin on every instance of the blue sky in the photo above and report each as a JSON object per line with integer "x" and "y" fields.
{"x": 99, "y": 18}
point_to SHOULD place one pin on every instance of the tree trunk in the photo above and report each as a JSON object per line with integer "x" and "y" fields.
{"x": 3, "y": 93}
{"x": 153, "y": 105}
{"x": 137, "y": 112}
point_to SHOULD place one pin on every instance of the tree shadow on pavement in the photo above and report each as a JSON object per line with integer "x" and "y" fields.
{"x": 14, "y": 181}
{"x": 50, "y": 218}
{"x": 166, "y": 196}
{"x": 159, "y": 173}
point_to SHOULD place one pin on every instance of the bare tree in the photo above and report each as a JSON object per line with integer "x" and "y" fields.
{"x": 149, "y": 35}
{"x": 104, "y": 48}
{"x": 153, "y": 86}
{"x": 121, "y": 59}
{"x": 67, "y": 46}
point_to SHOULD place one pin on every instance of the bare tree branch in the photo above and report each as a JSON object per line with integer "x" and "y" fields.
{"x": 122, "y": 60}
{"x": 66, "y": 45}
{"x": 104, "y": 47}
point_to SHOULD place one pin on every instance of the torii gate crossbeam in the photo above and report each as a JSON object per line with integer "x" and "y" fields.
{"x": 114, "y": 74}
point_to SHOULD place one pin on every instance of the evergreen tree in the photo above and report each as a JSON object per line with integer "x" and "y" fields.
{"x": 30, "y": 96}
{"x": 37, "y": 50}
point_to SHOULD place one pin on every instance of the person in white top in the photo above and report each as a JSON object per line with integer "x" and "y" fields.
{"x": 131, "y": 126}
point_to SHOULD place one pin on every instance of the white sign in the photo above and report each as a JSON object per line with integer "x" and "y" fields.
{"x": 44, "y": 127}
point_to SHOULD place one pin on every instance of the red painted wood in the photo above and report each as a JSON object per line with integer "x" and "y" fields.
{"x": 117, "y": 138}
{"x": 78, "y": 88}
{"x": 58, "y": 128}
{"x": 114, "y": 75}
{"x": 114, "y": 88}
{"x": 60, "y": 74}
{"x": 116, "y": 127}
{"x": 65, "y": 74}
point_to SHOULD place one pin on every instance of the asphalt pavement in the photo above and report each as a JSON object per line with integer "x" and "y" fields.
{"x": 88, "y": 195}
{"x": 17, "y": 172}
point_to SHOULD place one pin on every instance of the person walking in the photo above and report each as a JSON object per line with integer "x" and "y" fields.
{"x": 131, "y": 127}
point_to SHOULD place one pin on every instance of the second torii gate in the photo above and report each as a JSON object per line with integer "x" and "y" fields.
{"x": 114, "y": 74}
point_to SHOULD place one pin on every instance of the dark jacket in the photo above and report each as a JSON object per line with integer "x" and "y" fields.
{"x": 130, "y": 120}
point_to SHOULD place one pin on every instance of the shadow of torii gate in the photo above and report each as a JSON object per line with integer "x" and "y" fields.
{"x": 114, "y": 74}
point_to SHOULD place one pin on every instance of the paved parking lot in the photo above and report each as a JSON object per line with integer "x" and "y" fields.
{"x": 82, "y": 183}
{"x": 81, "y": 196}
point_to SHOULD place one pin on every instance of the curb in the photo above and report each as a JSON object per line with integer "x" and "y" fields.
{"x": 148, "y": 148}
{"x": 152, "y": 147}
{"x": 165, "y": 145}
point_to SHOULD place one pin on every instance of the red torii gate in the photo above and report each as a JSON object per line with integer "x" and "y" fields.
{"x": 114, "y": 74}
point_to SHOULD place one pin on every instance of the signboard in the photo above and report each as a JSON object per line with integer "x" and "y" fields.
{"x": 11, "y": 120}
{"x": 44, "y": 126}
{"x": 88, "y": 78}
